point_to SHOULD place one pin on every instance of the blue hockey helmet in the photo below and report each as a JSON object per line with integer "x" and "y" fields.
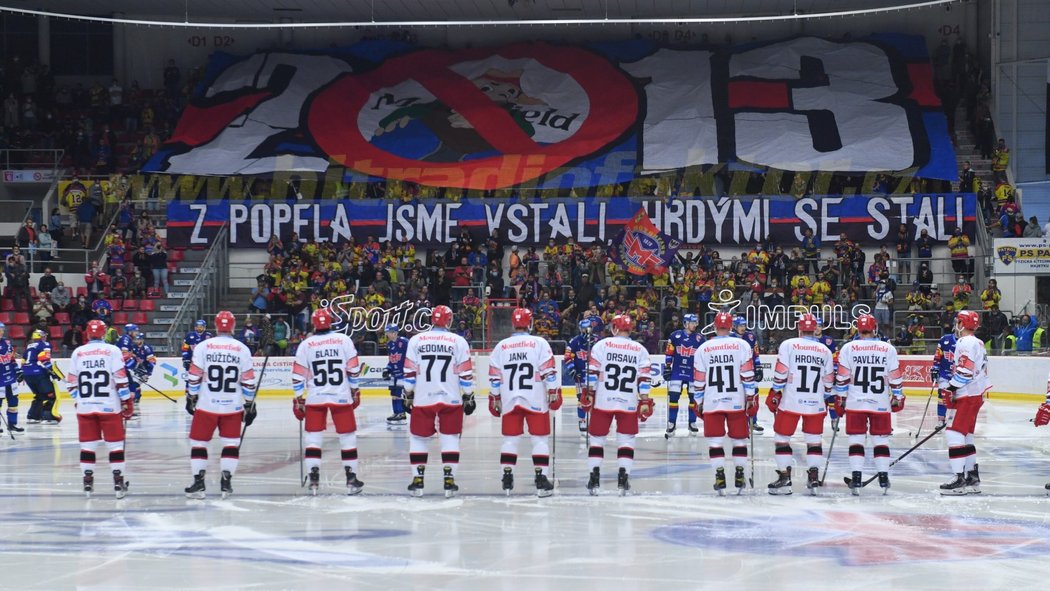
{"x": 130, "y": 328}
{"x": 392, "y": 328}
{"x": 585, "y": 324}
{"x": 2, "y": 326}
{"x": 139, "y": 337}
{"x": 690, "y": 318}
{"x": 200, "y": 326}
{"x": 739, "y": 321}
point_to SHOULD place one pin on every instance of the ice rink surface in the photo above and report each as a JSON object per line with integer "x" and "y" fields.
{"x": 672, "y": 533}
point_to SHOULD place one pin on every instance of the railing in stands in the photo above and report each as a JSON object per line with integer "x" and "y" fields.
{"x": 210, "y": 285}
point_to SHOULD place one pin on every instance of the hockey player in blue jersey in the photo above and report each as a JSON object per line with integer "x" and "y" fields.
{"x": 741, "y": 331}
{"x": 195, "y": 336}
{"x": 941, "y": 371}
{"x": 396, "y": 345}
{"x": 37, "y": 372}
{"x": 678, "y": 371}
{"x": 139, "y": 367}
{"x": 126, "y": 344}
{"x": 10, "y": 375}
{"x": 577, "y": 352}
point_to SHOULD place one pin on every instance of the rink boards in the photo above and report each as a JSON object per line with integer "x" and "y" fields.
{"x": 1021, "y": 378}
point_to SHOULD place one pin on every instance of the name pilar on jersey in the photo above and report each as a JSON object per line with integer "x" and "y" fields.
{"x": 327, "y": 369}
{"x": 221, "y": 364}
{"x": 944, "y": 357}
{"x": 522, "y": 371}
{"x": 804, "y": 373}
{"x": 96, "y": 378}
{"x": 970, "y": 370}
{"x": 619, "y": 373}
{"x": 723, "y": 374}
{"x": 681, "y": 346}
{"x": 868, "y": 374}
{"x": 438, "y": 368}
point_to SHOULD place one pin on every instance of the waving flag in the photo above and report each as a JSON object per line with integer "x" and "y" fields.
{"x": 640, "y": 248}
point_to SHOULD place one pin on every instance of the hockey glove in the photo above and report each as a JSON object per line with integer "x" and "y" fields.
{"x": 645, "y": 409}
{"x": 409, "y": 397}
{"x": 934, "y": 374}
{"x": 191, "y": 404}
{"x": 695, "y": 407}
{"x": 838, "y": 407}
{"x": 948, "y": 395}
{"x": 186, "y": 365}
{"x": 554, "y": 399}
{"x": 250, "y": 412}
{"x": 495, "y": 407}
{"x": 469, "y": 404}
{"x": 773, "y": 400}
{"x": 758, "y": 374}
{"x": 587, "y": 399}
{"x": 1042, "y": 416}
{"x": 570, "y": 371}
{"x": 751, "y": 405}
{"x": 386, "y": 373}
{"x": 355, "y": 397}
{"x": 299, "y": 408}
{"x": 19, "y": 376}
{"x": 667, "y": 372}
{"x": 127, "y": 408}
{"x": 897, "y": 403}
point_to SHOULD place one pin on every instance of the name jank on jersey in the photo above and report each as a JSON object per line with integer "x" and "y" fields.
{"x": 519, "y": 356}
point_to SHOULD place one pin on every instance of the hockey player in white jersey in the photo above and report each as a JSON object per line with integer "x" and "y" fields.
{"x": 802, "y": 381}
{"x": 1042, "y": 417}
{"x": 964, "y": 398}
{"x": 439, "y": 390}
{"x": 618, "y": 375}
{"x": 221, "y": 394}
{"x": 525, "y": 389}
{"x": 724, "y": 388}
{"x": 96, "y": 379}
{"x": 325, "y": 380}
{"x": 868, "y": 387}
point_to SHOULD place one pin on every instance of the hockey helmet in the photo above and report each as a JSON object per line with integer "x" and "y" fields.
{"x": 807, "y": 323}
{"x": 139, "y": 338}
{"x": 96, "y": 329}
{"x": 740, "y": 321}
{"x": 521, "y": 318}
{"x": 441, "y": 317}
{"x": 130, "y": 328}
{"x": 687, "y": 318}
{"x": 723, "y": 321}
{"x": 585, "y": 325}
{"x": 622, "y": 323}
{"x": 225, "y": 322}
{"x": 867, "y": 323}
{"x": 968, "y": 320}
{"x": 321, "y": 319}
{"x": 392, "y": 329}
{"x": 3, "y": 328}
{"x": 200, "y": 325}
{"x": 38, "y": 335}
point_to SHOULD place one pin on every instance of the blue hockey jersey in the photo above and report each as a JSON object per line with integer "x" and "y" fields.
{"x": 681, "y": 346}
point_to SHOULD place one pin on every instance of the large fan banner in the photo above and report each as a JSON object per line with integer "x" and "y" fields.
{"x": 557, "y": 116}
{"x": 868, "y": 219}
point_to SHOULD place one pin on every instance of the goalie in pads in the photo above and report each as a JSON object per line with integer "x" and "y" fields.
{"x": 525, "y": 389}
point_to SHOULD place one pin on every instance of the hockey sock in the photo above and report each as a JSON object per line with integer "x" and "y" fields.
{"x": 508, "y": 453}
{"x": 814, "y": 451}
{"x": 230, "y": 455}
{"x": 739, "y": 452}
{"x": 541, "y": 453}
{"x": 580, "y": 413}
{"x": 12, "y": 416}
{"x": 312, "y": 449}
{"x": 971, "y": 457}
{"x": 87, "y": 455}
{"x": 596, "y": 451}
{"x": 624, "y": 451}
{"x": 783, "y": 452}
{"x": 417, "y": 452}
{"x": 348, "y": 450}
{"x": 116, "y": 455}
{"x": 717, "y": 452}
{"x": 450, "y": 451}
{"x": 957, "y": 450}
{"x": 673, "y": 395}
{"x": 692, "y": 414}
{"x": 882, "y": 452}
{"x": 198, "y": 456}
{"x": 397, "y": 402}
{"x": 942, "y": 410}
{"x": 856, "y": 453}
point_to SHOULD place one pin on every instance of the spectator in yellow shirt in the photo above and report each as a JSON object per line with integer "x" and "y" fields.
{"x": 991, "y": 295}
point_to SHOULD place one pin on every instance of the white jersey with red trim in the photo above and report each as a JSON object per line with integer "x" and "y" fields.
{"x": 804, "y": 372}
{"x": 96, "y": 378}
{"x": 327, "y": 368}
{"x": 723, "y": 373}
{"x": 521, "y": 370}
{"x": 618, "y": 371}
{"x": 438, "y": 368}
{"x": 221, "y": 375}
{"x": 970, "y": 368}
{"x": 868, "y": 374}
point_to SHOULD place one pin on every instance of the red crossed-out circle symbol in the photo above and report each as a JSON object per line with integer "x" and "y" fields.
{"x": 614, "y": 104}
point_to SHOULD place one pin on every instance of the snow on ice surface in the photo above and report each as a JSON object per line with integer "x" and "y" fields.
{"x": 672, "y": 533}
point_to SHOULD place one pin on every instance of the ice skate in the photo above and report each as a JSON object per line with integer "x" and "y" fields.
{"x": 226, "y": 484}
{"x": 120, "y": 486}
{"x": 855, "y": 483}
{"x": 583, "y": 427}
{"x": 315, "y": 480}
{"x": 813, "y": 480}
{"x": 973, "y": 481}
{"x": 415, "y": 488}
{"x": 544, "y": 487}
{"x": 623, "y": 483}
{"x": 450, "y": 484}
{"x": 720, "y": 482}
{"x": 884, "y": 482}
{"x": 693, "y": 429}
{"x": 508, "y": 481}
{"x": 956, "y": 487}
{"x": 782, "y": 485}
{"x": 1047, "y": 487}
{"x": 89, "y": 483}
{"x": 670, "y": 431}
{"x": 738, "y": 480}
{"x": 196, "y": 490}
{"x": 397, "y": 418}
{"x": 15, "y": 429}
{"x": 757, "y": 428}
{"x": 353, "y": 485}
{"x": 594, "y": 481}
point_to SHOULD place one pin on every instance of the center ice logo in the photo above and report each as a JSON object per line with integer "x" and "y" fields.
{"x": 858, "y": 539}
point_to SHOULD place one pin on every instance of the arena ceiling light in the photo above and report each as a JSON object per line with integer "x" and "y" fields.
{"x": 793, "y": 16}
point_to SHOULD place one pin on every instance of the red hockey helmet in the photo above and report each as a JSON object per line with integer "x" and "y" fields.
{"x": 225, "y": 321}
{"x": 807, "y": 323}
{"x": 968, "y": 319}
{"x": 622, "y": 323}
{"x": 723, "y": 320}
{"x": 96, "y": 329}
{"x": 321, "y": 319}
{"x": 521, "y": 318}
{"x": 867, "y": 323}
{"x": 441, "y": 317}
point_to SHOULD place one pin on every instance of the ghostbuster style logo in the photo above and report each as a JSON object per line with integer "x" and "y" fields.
{"x": 407, "y": 316}
{"x": 1007, "y": 254}
{"x": 784, "y": 317}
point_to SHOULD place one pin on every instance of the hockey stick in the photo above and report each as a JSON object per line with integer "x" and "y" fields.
{"x": 154, "y": 388}
{"x": 928, "y": 399}
{"x": 902, "y": 456}
{"x": 751, "y": 436}
{"x": 827, "y": 462}
{"x": 302, "y": 467}
{"x": 554, "y": 447}
{"x": 8, "y": 425}
{"x": 258, "y": 384}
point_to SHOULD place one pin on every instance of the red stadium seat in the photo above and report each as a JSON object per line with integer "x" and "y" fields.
{"x": 131, "y": 305}
{"x": 62, "y": 317}
{"x": 7, "y": 305}
{"x": 120, "y": 318}
{"x": 16, "y": 333}
{"x": 116, "y": 304}
{"x": 176, "y": 256}
{"x": 140, "y": 318}
{"x": 154, "y": 293}
{"x": 21, "y": 318}
{"x": 56, "y": 332}
{"x": 147, "y": 305}
{"x": 82, "y": 291}
{"x": 5, "y": 317}
{"x": 32, "y": 293}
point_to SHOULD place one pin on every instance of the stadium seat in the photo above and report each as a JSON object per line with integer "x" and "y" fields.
{"x": 117, "y": 305}
{"x": 62, "y": 317}
{"x": 16, "y": 333}
{"x": 7, "y": 305}
{"x": 140, "y": 318}
{"x": 21, "y": 318}
{"x": 131, "y": 305}
{"x": 56, "y": 332}
{"x": 120, "y": 318}
{"x": 147, "y": 305}
{"x": 175, "y": 256}
{"x": 32, "y": 293}
{"x": 5, "y": 317}
{"x": 82, "y": 291}
{"x": 154, "y": 293}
